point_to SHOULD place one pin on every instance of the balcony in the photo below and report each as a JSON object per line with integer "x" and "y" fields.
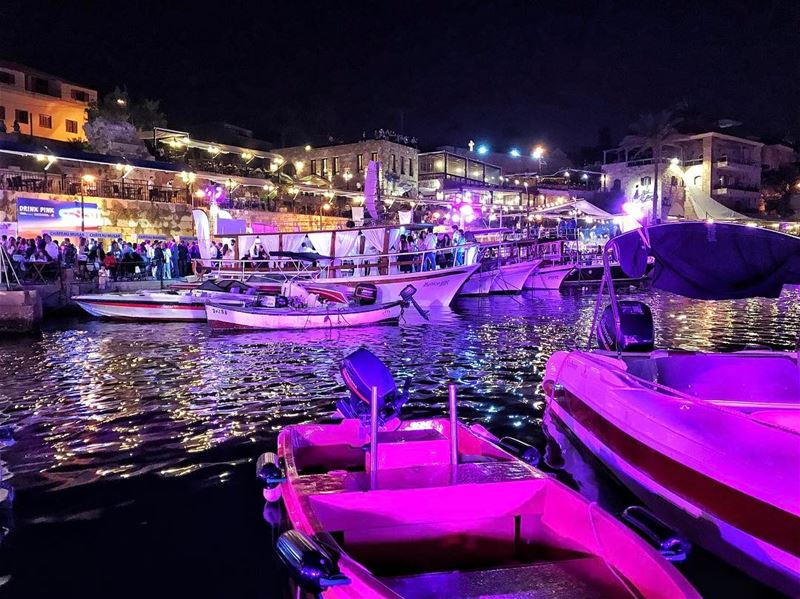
{"x": 726, "y": 188}
{"x": 734, "y": 161}
{"x": 125, "y": 189}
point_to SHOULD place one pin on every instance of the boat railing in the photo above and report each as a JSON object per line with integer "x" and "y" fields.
{"x": 324, "y": 267}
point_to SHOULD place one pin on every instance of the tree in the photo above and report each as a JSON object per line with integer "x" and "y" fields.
{"x": 146, "y": 115}
{"x": 650, "y": 134}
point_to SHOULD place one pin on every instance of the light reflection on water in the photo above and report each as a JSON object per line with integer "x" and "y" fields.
{"x": 100, "y": 401}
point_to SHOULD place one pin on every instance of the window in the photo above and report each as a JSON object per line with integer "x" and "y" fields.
{"x": 394, "y": 163}
{"x": 673, "y": 182}
{"x": 313, "y": 167}
{"x": 324, "y": 171}
{"x": 80, "y": 96}
{"x": 21, "y": 116}
{"x": 45, "y": 121}
{"x": 646, "y": 181}
{"x": 72, "y": 126}
{"x": 411, "y": 167}
{"x": 402, "y": 165}
{"x": 374, "y": 157}
{"x": 6, "y": 77}
{"x": 39, "y": 85}
{"x": 2, "y": 113}
{"x": 359, "y": 162}
{"x": 335, "y": 165}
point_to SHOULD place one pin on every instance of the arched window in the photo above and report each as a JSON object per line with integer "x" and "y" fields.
{"x": 673, "y": 181}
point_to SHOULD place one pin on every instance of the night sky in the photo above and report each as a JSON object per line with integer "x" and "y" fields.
{"x": 505, "y": 73}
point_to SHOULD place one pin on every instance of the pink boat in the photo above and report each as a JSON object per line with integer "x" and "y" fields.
{"x": 709, "y": 441}
{"x": 432, "y": 508}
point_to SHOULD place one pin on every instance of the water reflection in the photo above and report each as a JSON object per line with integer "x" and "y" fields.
{"x": 98, "y": 401}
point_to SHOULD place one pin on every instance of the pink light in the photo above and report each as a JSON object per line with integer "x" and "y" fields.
{"x": 634, "y": 209}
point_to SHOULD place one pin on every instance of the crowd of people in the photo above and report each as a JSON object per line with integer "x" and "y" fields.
{"x": 119, "y": 259}
{"x": 435, "y": 250}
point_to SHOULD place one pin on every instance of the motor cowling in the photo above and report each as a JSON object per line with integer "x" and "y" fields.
{"x": 365, "y": 294}
{"x": 637, "y": 332}
{"x": 269, "y": 471}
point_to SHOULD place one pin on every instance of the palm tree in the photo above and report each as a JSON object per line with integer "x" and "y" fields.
{"x": 651, "y": 133}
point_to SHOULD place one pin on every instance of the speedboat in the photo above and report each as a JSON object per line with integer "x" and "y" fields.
{"x": 167, "y": 305}
{"x": 381, "y": 507}
{"x": 710, "y": 442}
{"x": 303, "y": 310}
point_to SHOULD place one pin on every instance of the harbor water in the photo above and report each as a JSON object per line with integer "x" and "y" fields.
{"x": 133, "y": 469}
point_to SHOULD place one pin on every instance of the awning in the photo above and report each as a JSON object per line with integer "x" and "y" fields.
{"x": 712, "y": 261}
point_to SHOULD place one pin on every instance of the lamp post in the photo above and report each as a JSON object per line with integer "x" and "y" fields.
{"x": 88, "y": 179}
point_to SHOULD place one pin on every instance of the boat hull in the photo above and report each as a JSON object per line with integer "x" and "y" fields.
{"x": 684, "y": 481}
{"x": 548, "y": 277}
{"x": 512, "y": 277}
{"x": 480, "y": 283}
{"x": 142, "y": 308}
{"x": 222, "y": 317}
{"x": 434, "y": 288}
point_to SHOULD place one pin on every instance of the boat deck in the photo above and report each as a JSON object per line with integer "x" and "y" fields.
{"x": 564, "y": 579}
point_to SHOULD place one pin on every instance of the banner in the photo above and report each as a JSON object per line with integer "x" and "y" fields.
{"x": 35, "y": 216}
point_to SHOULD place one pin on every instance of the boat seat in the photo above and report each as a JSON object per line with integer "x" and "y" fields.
{"x": 573, "y": 578}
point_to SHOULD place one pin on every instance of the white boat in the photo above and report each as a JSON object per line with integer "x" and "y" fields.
{"x": 480, "y": 282}
{"x": 709, "y": 441}
{"x": 168, "y": 305}
{"x": 384, "y": 508}
{"x": 513, "y": 276}
{"x": 351, "y": 257}
{"x": 226, "y": 317}
{"x": 505, "y": 265}
{"x": 549, "y": 277}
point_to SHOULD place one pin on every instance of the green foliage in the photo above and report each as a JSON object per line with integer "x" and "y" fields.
{"x": 116, "y": 106}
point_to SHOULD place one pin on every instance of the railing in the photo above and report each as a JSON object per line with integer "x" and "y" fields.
{"x": 736, "y": 187}
{"x": 726, "y": 160}
{"x": 13, "y": 180}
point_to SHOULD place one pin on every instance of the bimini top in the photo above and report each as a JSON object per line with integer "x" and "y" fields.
{"x": 712, "y": 261}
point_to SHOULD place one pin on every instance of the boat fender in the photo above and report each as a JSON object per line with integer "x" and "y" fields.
{"x": 671, "y": 545}
{"x": 312, "y": 565}
{"x": 269, "y": 471}
{"x": 525, "y": 452}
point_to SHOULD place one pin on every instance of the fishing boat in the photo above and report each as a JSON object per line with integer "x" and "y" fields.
{"x": 505, "y": 263}
{"x": 381, "y": 507}
{"x": 166, "y": 305}
{"x": 303, "y": 310}
{"x": 350, "y": 257}
{"x": 710, "y": 442}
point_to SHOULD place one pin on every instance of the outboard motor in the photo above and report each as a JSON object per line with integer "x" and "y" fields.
{"x": 407, "y": 295}
{"x": 636, "y": 327}
{"x": 313, "y": 566}
{"x": 361, "y": 371}
{"x": 524, "y": 451}
{"x": 365, "y": 294}
{"x": 669, "y": 543}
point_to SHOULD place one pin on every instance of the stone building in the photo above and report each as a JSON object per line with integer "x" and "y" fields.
{"x": 723, "y": 167}
{"x": 42, "y": 105}
{"x": 344, "y": 165}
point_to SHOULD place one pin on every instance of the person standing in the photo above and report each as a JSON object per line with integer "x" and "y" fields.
{"x": 158, "y": 260}
{"x": 167, "y": 251}
{"x": 430, "y": 255}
